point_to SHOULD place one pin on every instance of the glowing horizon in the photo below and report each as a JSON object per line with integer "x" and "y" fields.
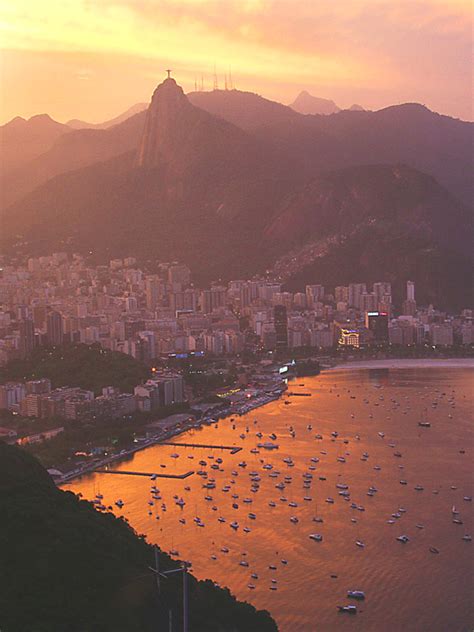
{"x": 92, "y": 59}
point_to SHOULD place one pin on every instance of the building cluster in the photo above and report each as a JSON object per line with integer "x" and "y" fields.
{"x": 36, "y": 398}
{"x": 56, "y": 299}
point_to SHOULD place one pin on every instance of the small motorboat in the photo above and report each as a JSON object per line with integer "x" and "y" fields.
{"x": 403, "y": 538}
{"x": 317, "y": 537}
{"x": 356, "y": 594}
{"x": 348, "y": 609}
{"x": 433, "y": 549}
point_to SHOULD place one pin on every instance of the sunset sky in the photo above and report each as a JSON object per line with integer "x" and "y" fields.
{"x": 92, "y": 59}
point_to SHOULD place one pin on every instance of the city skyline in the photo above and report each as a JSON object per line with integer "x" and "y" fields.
{"x": 92, "y": 60}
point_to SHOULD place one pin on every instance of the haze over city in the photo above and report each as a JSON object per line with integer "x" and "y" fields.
{"x": 92, "y": 59}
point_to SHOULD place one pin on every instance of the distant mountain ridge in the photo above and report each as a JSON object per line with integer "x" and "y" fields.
{"x": 22, "y": 140}
{"x": 134, "y": 109}
{"x": 306, "y": 103}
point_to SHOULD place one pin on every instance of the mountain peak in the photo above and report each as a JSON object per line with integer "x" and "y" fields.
{"x": 306, "y": 103}
{"x": 163, "y": 125}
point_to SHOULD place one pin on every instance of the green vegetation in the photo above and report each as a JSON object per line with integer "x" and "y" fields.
{"x": 65, "y": 566}
{"x": 86, "y": 366}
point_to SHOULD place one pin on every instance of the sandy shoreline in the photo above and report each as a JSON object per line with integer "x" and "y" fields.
{"x": 406, "y": 363}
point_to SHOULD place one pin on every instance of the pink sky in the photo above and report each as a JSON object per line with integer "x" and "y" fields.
{"x": 92, "y": 59}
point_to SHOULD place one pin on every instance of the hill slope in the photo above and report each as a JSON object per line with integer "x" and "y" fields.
{"x": 72, "y": 568}
{"x": 23, "y": 140}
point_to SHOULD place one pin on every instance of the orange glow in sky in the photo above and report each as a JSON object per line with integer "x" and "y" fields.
{"x": 92, "y": 59}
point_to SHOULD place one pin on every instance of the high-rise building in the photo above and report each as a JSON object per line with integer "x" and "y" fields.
{"x": 280, "y": 319}
{"x": 377, "y": 323}
{"x": 54, "y": 328}
{"x": 368, "y": 302}
{"x": 355, "y": 292}
{"x": 314, "y": 294}
{"x": 409, "y": 307}
{"x": 342, "y": 294}
{"x": 27, "y": 337}
{"x": 154, "y": 292}
{"x": 382, "y": 289}
{"x": 213, "y": 299}
{"x": 179, "y": 274}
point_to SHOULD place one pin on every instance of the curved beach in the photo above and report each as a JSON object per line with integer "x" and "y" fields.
{"x": 406, "y": 363}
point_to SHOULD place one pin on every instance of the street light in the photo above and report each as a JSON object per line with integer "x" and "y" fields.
{"x": 182, "y": 569}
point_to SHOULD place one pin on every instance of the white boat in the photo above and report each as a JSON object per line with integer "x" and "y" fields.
{"x": 403, "y": 538}
{"x": 317, "y": 537}
{"x": 234, "y": 524}
{"x": 268, "y": 445}
{"x": 294, "y": 519}
{"x": 356, "y": 594}
{"x": 360, "y": 544}
{"x": 119, "y": 503}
